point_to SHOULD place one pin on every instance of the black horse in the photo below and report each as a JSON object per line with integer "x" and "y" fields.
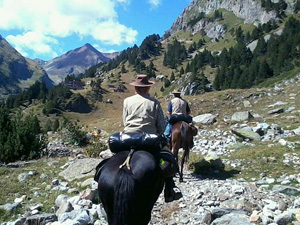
{"x": 128, "y": 196}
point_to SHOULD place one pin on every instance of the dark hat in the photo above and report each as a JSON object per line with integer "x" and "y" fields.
{"x": 142, "y": 81}
{"x": 176, "y": 91}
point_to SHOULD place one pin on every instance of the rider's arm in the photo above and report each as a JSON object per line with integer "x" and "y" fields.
{"x": 124, "y": 113}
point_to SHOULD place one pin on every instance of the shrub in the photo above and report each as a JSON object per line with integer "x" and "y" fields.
{"x": 20, "y": 138}
{"x": 94, "y": 149}
{"x": 72, "y": 133}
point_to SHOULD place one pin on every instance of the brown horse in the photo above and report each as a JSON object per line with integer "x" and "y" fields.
{"x": 182, "y": 137}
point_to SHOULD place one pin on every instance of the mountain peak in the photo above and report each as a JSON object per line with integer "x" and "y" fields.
{"x": 74, "y": 62}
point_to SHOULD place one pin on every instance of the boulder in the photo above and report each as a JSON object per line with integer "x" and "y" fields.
{"x": 40, "y": 219}
{"x": 64, "y": 207}
{"x": 241, "y": 116}
{"x": 232, "y": 219}
{"x": 207, "y": 118}
{"x": 246, "y": 134}
{"x": 276, "y": 111}
{"x": 9, "y": 206}
{"x": 80, "y": 168}
{"x": 80, "y": 215}
{"x": 211, "y": 161}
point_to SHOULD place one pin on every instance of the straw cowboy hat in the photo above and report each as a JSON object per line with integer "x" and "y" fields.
{"x": 176, "y": 91}
{"x": 142, "y": 81}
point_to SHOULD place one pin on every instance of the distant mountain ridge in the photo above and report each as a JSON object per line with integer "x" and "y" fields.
{"x": 18, "y": 72}
{"x": 74, "y": 62}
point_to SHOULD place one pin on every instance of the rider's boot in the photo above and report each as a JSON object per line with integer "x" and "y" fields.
{"x": 169, "y": 193}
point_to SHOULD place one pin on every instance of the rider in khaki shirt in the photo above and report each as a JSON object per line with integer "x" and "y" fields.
{"x": 143, "y": 114}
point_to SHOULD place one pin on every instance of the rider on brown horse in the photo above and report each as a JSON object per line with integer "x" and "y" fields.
{"x": 177, "y": 107}
{"x": 143, "y": 114}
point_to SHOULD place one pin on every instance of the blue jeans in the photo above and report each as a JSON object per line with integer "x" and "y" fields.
{"x": 168, "y": 130}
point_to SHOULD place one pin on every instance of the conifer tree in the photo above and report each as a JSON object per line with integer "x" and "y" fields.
{"x": 181, "y": 71}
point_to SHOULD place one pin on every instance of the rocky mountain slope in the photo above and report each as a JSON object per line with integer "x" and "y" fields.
{"x": 18, "y": 72}
{"x": 73, "y": 62}
{"x": 250, "y": 11}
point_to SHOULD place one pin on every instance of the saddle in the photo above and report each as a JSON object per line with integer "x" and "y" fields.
{"x": 176, "y": 118}
{"x": 141, "y": 141}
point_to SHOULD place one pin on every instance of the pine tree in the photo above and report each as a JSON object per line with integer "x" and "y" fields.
{"x": 172, "y": 76}
{"x": 217, "y": 80}
{"x": 123, "y": 70}
{"x": 55, "y": 125}
{"x": 261, "y": 47}
{"x": 181, "y": 71}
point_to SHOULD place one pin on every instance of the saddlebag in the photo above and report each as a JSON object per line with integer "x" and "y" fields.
{"x": 138, "y": 141}
{"x": 176, "y": 118}
{"x": 168, "y": 164}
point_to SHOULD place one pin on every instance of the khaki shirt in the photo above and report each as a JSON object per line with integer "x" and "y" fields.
{"x": 179, "y": 106}
{"x": 142, "y": 114}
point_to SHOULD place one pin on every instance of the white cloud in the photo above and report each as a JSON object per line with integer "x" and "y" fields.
{"x": 42, "y": 21}
{"x": 36, "y": 42}
{"x": 155, "y": 3}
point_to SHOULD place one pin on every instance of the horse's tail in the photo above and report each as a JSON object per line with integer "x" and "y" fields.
{"x": 124, "y": 196}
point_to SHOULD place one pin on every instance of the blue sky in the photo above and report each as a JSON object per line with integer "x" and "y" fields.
{"x": 48, "y": 28}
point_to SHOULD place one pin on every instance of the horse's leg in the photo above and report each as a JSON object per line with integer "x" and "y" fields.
{"x": 176, "y": 147}
{"x": 184, "y": 154}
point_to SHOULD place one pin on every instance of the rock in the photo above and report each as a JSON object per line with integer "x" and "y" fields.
{"x": 19, "y": 200}
{"x": 81, "y": 216}
{"x": 61, "y": 199}
{"x": 207, "y": 118}
{"x": 276, "y": 111}
{"x": 212, "y": 161}
{"x": 282, "y": 142}
{"x": 9, "y": 206}
{"x": 23, "y": 177}
{"x": 88, "y": 194}
{"x": 40, "y": 219}
{"x": 87, "y": 182}
{"x": 255, "y": 218}
{"x": 64, "y": 207}
{"x": 286, "y": 190}
{"x": 247, "y": 104}
{"x": 55, "y": 182}
{"x": 43, "y": 176}
{"x": 80, "y": 168}
{"x": 297, "y": 131}
{"x": 106, "y": 154}
{"x": 241, "y": 116}
{"x": 109, "y": 101}
{"x": 283, "y": 219}
{"x": 74, "y": 200}
{"x": 251, "y": 135}
{"x": 280, "y": 103}
{"x": 232, "y": 219}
